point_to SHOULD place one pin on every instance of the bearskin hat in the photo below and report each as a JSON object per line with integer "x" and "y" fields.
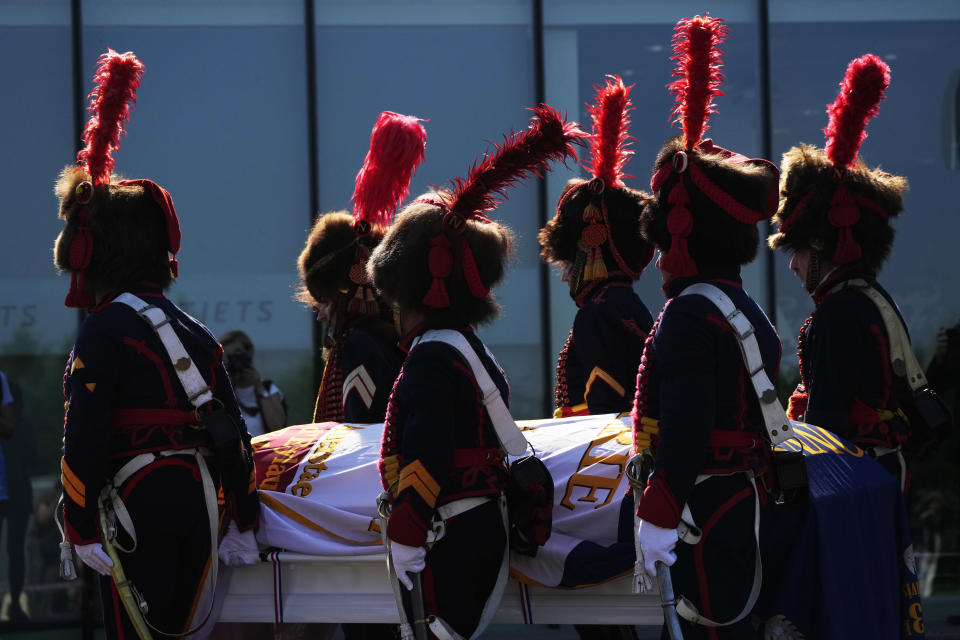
{"x": 333, "y": 262}
{"x": 418, "y": 229}
{"x": 128, "y": 227}
{"x": 325, "y": 261}
{"x": 443, "y": 255}
{"x": 830, "y": 200}
{"x": 707, "y": 199}
{"x": 595, "y": 229}
{"x": 117, "y": 233}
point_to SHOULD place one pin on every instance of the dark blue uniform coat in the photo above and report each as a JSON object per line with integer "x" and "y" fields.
{"x": 438, "y": 446}
{"x": 597, "y": 368}
{"x": 123, "y": 399}
{"x": 697, "y": 411}
{"x": 847, "y": 385}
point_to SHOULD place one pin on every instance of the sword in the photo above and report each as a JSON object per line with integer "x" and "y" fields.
{"x": 669, "y": 602}
{"x": 135, "y": 606}
{"x": 383, "y": 510}
{"x": 419, "y": 615}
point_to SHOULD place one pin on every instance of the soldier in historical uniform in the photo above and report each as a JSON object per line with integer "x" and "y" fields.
{"x": 361, "y": 357}
{"x": 595, "y": 239}
{"x": 441, "y": 458}
{"x": 696, "y": 411}
{"x": 360, "y": 339}
{"x": 141, "y": 467}
{"x": 834, "y": 219}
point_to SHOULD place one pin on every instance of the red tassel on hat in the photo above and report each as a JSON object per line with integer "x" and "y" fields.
{"x": 677, "y": 260}
{"x": 77, "y": 295}
{"x": 440, "y": 261}
{"x": 843, "y": 214}
{"x": 470, "y": 271}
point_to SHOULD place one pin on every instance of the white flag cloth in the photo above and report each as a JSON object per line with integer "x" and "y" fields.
{"x": 319, "y": 482}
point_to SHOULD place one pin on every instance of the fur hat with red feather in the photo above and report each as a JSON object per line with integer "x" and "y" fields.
{"x": 595, "y": 230}
{"x": 443, "y": 254}
{"x": 333, "y": 263}
{"x": 707, "y": 200}
{"x": 831, "y": 202}
{"x": 118, "y": 233}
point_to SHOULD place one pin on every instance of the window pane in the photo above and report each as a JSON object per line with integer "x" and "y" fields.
{"x": 220, "y": 122}
{"x": 36, "y": 330}
{"x": 468, "y": 69}
{"x": 634, "y": 42}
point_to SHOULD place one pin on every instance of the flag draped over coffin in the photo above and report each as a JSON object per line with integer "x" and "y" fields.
{"x": 319, "y": 483}
{"x": 841, "y": 560}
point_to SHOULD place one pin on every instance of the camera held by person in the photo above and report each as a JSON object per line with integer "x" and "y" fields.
{"x": 264, "y": 408}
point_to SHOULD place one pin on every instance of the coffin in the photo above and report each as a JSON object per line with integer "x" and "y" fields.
{"x": 848, "y": 565}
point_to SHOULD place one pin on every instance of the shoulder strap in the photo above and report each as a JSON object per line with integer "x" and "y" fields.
{"x": 193, "y": 383}
{"x": 902, "y": 359}
{"x": 510, "y": 436}
{"x": 774, "y": 418}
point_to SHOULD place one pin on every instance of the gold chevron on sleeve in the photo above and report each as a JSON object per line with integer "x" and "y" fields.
{"x": 606, "y": 377}
{"x": 391, "y": 473}
{"x": 416, "y": 477}
{"x": 77, "y": 364}
{"x": 91, "y": 386}
{"x": 642, "y": 436}
{"x": 74, "y": 489}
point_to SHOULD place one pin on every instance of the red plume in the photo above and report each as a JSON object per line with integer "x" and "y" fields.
{"x": 549, "y": 137}
{"x": 861, "y": 91}
{"x": 696, "y": 43}
{"x": 396, "y": 148}
{"x": 117, "y": 79}
{"x": 608, "y": 144}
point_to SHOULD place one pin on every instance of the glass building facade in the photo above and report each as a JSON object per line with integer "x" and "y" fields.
{"x": 256, "y": 117}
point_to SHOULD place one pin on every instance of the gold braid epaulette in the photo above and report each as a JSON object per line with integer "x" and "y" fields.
{"x": 329, "y": 406}
{"x": 644, "y": 428}
{"x": 562, "y": 393}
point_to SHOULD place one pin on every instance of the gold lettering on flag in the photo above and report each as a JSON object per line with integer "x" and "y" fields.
{"x": 593, "y": 482}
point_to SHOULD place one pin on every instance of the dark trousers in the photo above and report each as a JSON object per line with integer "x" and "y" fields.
{"x": 462, "y": 569}
{"x": 16, "y": 519}
{"x": 717, "y": 573}
{"x": 172, "y": 554}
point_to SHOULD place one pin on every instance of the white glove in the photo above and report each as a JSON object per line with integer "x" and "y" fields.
{"x": 94, "y": 557}
{"x": 657, "y": 545}
{"x": 407, "y": 559}
{"x": 237, "y": 549}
